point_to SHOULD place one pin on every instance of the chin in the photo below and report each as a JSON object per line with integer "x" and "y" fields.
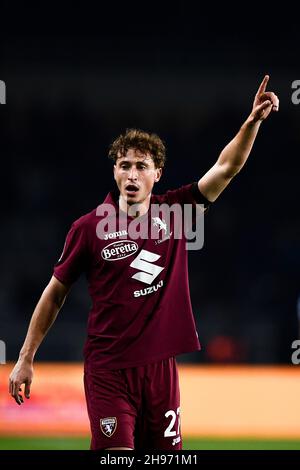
{"x": 133, "y": 201}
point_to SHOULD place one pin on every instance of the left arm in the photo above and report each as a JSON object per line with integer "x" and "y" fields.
{"x": 235, "y": 154}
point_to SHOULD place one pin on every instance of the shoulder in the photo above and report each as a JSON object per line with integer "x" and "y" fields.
{"x": 85, "y": 226}
{"x": 85, "y": 220}
{"x": 188, "y": 193}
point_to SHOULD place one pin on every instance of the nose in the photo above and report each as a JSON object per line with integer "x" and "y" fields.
{"x": 132, "y": 175}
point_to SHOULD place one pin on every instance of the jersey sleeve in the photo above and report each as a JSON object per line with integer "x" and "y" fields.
{"x": 188, "y": 194}
{"x": 73, "y": 259}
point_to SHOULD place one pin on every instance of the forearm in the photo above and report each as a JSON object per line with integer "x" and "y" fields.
{"x": 235, "y": 154}
{"x": 43, "y": 317}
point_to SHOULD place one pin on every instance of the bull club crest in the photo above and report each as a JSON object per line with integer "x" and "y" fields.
{"x": 108, "y": 426}
{"x": 160, "y": 223}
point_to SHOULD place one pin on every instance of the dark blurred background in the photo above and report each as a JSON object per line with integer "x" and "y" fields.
{"x": 78, "y": 75}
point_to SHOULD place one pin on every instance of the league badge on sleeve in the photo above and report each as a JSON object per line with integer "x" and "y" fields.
{"x": 108, "y": 426}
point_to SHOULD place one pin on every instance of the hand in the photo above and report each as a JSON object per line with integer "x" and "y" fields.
{"x": 22, "y": 373}
{"x": 264, "y": 102}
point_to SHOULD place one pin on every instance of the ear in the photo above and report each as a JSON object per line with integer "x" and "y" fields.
{"x": 115, "y": 167}
{"x": 158, "y": 174}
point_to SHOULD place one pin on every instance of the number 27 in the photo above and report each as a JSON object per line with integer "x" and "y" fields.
{"x": 169, "y": 432}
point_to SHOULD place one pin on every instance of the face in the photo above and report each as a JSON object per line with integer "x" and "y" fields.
{"x": 135, "y": 175}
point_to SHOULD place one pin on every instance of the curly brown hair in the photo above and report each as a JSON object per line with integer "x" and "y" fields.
{"x": 142, "y": 141}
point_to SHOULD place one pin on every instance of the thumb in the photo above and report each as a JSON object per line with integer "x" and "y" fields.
{"x": 262, "y": 111}
{"x": 263, "y": 106}
{"x": 27, "y": 389}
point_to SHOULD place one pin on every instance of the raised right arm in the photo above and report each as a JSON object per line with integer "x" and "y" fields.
{"x": 44, "y": 315}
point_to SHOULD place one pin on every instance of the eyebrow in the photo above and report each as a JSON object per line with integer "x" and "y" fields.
{"x": 139, "y": 162}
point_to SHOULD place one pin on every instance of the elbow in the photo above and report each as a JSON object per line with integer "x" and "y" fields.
{"x": 230, "y": 170}
{"x": 58, "y": 299}
{"x": 54, "y": 300}
{"x": 56, "y": 293}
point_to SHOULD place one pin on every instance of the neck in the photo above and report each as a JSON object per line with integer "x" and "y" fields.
{"x": 135, "y": 210}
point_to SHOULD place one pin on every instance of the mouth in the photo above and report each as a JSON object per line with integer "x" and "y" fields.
{"x": 131, "y": 189}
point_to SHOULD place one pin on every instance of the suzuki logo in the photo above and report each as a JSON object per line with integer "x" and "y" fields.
{"x": 149, "y": 271}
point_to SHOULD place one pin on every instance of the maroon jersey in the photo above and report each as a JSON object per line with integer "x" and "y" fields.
{"x": 141, "y": 309}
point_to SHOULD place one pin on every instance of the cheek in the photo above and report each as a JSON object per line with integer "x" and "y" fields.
{"x": 149, "y": 181}
{"x": 118, "y": 179}
{"x": 118, "y": 176}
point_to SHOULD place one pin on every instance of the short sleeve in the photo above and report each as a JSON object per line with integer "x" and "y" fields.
{"x": 73, "y": 259}
{"x": 193, "y": 203}
{"x": 198, "y": 196}
{"x": 188, "y": 194}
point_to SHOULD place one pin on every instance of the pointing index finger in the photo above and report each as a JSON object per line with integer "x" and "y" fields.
{"x": 263, "y": 85}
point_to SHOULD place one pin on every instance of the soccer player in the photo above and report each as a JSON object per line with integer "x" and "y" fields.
{"x": 141, "y": 315}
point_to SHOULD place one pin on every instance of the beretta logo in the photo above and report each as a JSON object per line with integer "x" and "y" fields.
{"x": 118, "y": 250}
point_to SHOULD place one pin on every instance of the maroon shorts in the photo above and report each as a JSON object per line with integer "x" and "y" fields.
{"x": 138, "y": 407}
